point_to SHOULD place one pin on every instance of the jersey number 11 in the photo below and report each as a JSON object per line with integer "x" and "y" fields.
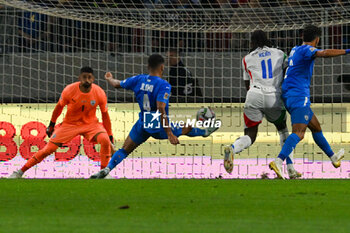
{"x": 263, "y": 67}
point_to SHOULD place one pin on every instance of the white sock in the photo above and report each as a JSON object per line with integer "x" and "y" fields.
{"x": 283, "y": 137}
{"x": 241, "y": 143}
{"x": 278, "y": 161}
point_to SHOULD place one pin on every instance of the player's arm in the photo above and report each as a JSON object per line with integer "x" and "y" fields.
{"x": 247, "y": 84}
{"x": 106, "y": 120}
{"x": 113, "y": 82}
{"x": 245, "y": 75}
{"x": 331, "y": 52}
{"x": 56, "y": 113}
{"x": 165, "y": 123}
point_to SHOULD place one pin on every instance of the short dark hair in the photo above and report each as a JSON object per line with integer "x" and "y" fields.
{"x": 259, "y": 39}
{"x": 86, "y": 69}
{"x": 155, "y": 60}
{"x": 311, "y": 32}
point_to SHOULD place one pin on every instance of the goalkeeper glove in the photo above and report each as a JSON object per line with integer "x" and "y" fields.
{"x": 50, "y": 128}
{"x": 111, "y": 139}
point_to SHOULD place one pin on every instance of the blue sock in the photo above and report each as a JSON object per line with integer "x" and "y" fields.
{"x": 195, "y": 132}
{"x": 288, "y": 146}
{"x": 117, "y": 158}
{"x": 289, "y": 161}
{"x": 321, "y": 141}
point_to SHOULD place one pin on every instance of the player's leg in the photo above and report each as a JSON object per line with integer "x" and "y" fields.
{"x": 301, "y": 114}
{"x": 321, "y": 141}
{"x": 192, "y": 132}
{"x": 128, "y": 147}
{"x": 136, "y": 137}
{"x": 284, "y": 134}
{"x": 49, "y": 148}
{"x": 62, "y": 135}
{"x": 105, "y": 151}
{"x": 276, "y": 114}
{"x": 252, "y": 118}
{"x": 197, "y": 132}
{"x": 238, "y": 146}
{"x": 298, "y": 131}
{"x": 247, "y": 140}
{"x": 97, "y": 133}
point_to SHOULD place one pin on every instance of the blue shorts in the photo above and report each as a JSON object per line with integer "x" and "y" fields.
{"x": 139, "y": 134}
{"x": 298, "y": 108}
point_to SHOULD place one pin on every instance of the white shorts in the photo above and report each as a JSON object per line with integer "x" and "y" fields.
{"x": 259, "y": 104}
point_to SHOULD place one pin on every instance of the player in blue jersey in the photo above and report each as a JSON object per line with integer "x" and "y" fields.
{"x": 296, "y": 97}
{"x": 152, "y": 94}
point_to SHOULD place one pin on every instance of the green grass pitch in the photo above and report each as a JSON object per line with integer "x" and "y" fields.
{"x": 174, "y": 206}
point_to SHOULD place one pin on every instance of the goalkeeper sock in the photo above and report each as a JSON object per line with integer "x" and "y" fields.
{"x": 241, "y": 143}
{"x": 195, "y": 132}
{"x": 283, "y": 137}
{"x": 289, "y": 146}
{"x": 117, "y": 157}
{"x": 321, "y": 141}
{"x": 39, "y": 156}
{"x": 105, "y": 151}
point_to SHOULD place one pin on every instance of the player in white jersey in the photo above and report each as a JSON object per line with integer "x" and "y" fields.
{"x": 263, "y": 76}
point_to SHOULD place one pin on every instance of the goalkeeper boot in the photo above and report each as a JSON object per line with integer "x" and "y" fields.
{"x": 211, "y": 129}
{"x": 228, "y": 160}
{"x": 276, "y": 166}
{"x": 293, "y": 174}
{"x": 101, "y": 174}
{"x": 336, "y": 158}
{"x": 16, "y": 175}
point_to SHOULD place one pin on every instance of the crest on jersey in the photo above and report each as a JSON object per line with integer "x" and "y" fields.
{"x": 166, "y": 96}
{"x": 306, "y": 117}
{"x": 92, "y": 102}
{"x": 312, "y": 49}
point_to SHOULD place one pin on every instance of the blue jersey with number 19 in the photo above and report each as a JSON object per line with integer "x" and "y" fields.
{"x": 148, "y": 90}
{"x": 300, "y": 67}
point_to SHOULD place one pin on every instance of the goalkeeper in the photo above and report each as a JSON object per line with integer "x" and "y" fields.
{"x": 82, "y": 99}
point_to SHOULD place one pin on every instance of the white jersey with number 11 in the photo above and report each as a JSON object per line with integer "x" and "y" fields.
{"x": 264, "y": 68}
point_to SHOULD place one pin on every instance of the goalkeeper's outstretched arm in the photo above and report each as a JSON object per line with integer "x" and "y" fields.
{"x": 114, "y": 82}
{"x": 55, "y": 114}
{"x": 332, "y": 52}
